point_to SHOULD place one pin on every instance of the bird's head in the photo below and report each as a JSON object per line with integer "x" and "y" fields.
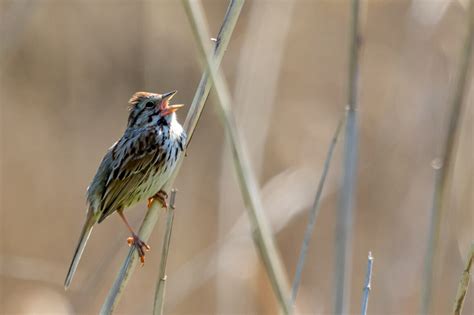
{"x": 149, "y": 108}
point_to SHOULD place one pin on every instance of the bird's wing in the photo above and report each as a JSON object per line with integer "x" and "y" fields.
{"x": 131, "y": 160}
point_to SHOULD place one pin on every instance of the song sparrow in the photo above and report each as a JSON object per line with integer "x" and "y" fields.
{"x": 135, "y": 167}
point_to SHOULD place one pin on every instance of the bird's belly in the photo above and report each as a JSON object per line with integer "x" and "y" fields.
{"x": 156, "y": 179}
{"x": 154, "y": 184}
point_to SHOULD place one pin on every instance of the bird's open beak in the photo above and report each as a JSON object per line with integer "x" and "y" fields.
{"x": 165, "y": 107}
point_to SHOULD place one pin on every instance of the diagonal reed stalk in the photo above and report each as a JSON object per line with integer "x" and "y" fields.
{"x": 313, "y": 214}
{"x": 261, "y": 231}
{"x": 161, "y": 283}
{"x": 442, "y": 171}
{"x": 464, "y": 283}
{"x": 367, "y": 285}
{"x": 151, "y": 217}
{"x": 344, "y": 214}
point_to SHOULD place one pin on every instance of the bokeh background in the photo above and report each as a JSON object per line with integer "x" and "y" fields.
{"x": 68, "y": 68}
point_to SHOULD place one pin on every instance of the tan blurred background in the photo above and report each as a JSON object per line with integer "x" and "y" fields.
{"x": 68, "y": 68}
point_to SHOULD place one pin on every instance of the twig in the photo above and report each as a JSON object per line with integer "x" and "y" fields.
{"x": 346, "y": 204}
{"x": 445, "y": 165}
{"x": 429, "y": 256}
{"x": 262, "y": 234}
{"x": 161, "y": 283}
{"x": 464, "y": 283}
{"x": 367, "y": 285}
{"x": 313, "y": 214}
{"x": 192, "y": 119}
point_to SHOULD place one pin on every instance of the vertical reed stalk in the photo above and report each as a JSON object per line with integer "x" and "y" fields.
{"x": 445, "y": 165}
{"x": 367, "y": 285}
{"x": 344, "y": 215}
{"x": 161, "y": 283}
{"x": 262, "y": 234}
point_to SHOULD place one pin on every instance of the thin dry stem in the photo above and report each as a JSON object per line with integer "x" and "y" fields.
{"x": 262, "y": 234}
{"x": 313, "y": 214}
{"x": 367, "y": 284}
{"x": 344, "y": 215}
{"x": 464, "y": 283}
{"x": 442, "y": 173}
{"x": 159, "y": 301}
{"x": 152, "y": 215}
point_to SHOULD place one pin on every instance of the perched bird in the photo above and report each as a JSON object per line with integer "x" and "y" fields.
{"x": 135, "y": 168}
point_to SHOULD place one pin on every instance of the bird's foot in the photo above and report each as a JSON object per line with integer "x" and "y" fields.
{"x": 161, "y": 197}
{"x": 140, "y": 245}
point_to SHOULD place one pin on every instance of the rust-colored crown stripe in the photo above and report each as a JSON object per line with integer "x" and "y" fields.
{"x": 138, "y": 97}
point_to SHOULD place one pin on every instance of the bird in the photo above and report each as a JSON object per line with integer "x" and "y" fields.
{"x": 135, "y": 168}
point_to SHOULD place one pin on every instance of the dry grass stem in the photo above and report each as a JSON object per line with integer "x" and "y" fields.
{"x": 262, "y": 234}
{"x": 344, "y": 215}
{"x": 445, "y": 166}
{"x": 367, "y": 285}
{"x": 313, "y": 214}
{"x": 464, "y": 283}
{"x": 161, "y": 283}
{"x": 192, "y": 119}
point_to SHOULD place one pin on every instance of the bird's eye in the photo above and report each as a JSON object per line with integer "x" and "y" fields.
{"x": 149, "y": 104}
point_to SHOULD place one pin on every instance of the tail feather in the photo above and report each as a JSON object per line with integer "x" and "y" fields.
{"x": 85, "y": 233}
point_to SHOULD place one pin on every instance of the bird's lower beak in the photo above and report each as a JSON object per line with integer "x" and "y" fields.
{"x": 173, "y": 108}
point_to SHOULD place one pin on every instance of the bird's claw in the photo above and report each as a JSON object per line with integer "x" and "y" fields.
{"x": 140, "y": 245}
{"x": 161, "y": 197}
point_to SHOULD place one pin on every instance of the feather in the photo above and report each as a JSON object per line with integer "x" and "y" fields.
{"x": 130, "y": 171}
{"x": 85, "y": 233}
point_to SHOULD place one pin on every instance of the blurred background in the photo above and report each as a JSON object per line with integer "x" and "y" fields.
{"x": 68, "y": 68}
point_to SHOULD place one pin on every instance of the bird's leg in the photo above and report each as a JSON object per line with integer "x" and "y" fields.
{"x": 134, "y": 240}
{"x": 161, "y": 197}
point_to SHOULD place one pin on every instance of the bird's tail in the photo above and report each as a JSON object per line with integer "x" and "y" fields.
{"x": 85, "y": 233}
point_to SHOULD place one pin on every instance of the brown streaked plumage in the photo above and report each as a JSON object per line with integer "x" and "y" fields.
{"x": 135, "y": 168}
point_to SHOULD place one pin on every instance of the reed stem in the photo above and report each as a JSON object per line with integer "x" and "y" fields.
{"x": 261, "y": 232}
{"x": 444, "y": 166}
{"x": 344, "y": 219}
{"x": 159, "y": 301}
{"x": 367, "y": 285}
{"x": 313, "y": 214}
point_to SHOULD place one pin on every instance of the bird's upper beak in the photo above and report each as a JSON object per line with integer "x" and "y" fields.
{"x": 169, "y": 95}
{"x": 165, "y": 106}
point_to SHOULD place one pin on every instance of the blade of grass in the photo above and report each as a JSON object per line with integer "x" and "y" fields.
{"x": 262, "y": 234}
{"x": 151, "y": 217}
{"x": 161, "y": 283}
{"x": 344, "y": 214}
{"x": 313, "y": 214}
{"x": 464, "y": 283}
{"x": 367, "y": 285}
{"x": 444, "y": 165}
